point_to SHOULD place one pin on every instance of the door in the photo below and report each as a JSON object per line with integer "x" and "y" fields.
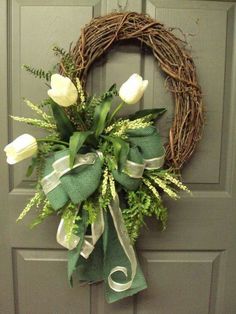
{"x": 191, "y": 267}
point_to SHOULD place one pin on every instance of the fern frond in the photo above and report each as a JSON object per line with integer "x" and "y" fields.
{"x": 70, "y": 216}
{"x": 40, "y": 73}
{"x": 58, "y": 51}
{"x": 67, "y": 61}
{"x": 91, "y": 206}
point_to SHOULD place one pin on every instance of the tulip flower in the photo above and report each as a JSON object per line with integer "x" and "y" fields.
{"x": 62, "y": 91}
{"x": 22, "y": 147}
{"x": 132, "y": 90}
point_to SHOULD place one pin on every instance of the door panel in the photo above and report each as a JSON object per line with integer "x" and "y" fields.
{"x": 190, "y": 267}
{"x": 38, "y": 287}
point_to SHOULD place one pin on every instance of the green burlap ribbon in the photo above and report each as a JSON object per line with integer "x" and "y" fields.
{"x": 104, "y": 252}
{"x": 120, "y": 281}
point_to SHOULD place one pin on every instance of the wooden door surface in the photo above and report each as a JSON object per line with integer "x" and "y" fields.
{"x": 191, "y": 267}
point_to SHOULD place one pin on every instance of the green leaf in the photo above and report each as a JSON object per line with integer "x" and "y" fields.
{"x": 74, "y": 254}
{"x": 156, "y": 113}
{"x": 121, "y": 150}
{"x": 31, "y": 167}
{"x": 76, "y": 141}
{"x": 64, "y": 125}
{"x": 123, "y": 155}
{"x": 113, "y": 89}
{"x": 100, "y": 115}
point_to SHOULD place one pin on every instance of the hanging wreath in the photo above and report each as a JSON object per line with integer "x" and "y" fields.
{"x": 100, "y": 173}
{"x": 104, "y": 32}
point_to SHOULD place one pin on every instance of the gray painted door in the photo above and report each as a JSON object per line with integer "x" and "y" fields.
{"x": 190, "y": 268}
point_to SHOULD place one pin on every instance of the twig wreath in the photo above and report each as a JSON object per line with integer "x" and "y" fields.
{"x": 103, "y": 174}
{"x": 175, "y": 61}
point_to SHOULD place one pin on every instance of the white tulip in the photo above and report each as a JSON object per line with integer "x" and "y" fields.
{"x": 132, "y": 90}
{"x": 22, "y": 147}
{"x": 62, "y": 91}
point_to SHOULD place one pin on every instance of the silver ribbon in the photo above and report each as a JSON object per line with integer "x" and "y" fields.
{"x": 62, "y": 166}
{"x": 134, "y": 170}
{"x": 62, "y": 239}
{"x": 97, "y": 229}
{"x": 127, "y": 247}
{"x": 154, "y": 163}
{"x": 50, "y": 182}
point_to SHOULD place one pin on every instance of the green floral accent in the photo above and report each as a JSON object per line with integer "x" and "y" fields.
{"x": 35, "y": 201}
{"x": 92, "y": 208}
{"x": 47, "y": 118}
{"x": 37, "y": 123}
{"x": 120, "y": 127}
{"x": 39, "y": 73}
{"x": 45, "y": 212}
{"x": 71, "y": 217}
{"x": 141, "y": 204}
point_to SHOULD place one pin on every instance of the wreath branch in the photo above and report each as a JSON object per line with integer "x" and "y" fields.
{"x": 102, "y": 33}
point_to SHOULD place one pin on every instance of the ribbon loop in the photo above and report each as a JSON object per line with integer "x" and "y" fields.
{"x": 134, "y": 170}
{"x": 154, "y": 163}
{"x": 62, "y": 165}
{"x": 50, "y": 182}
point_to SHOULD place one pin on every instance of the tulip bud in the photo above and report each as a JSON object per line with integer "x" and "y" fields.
{"x": 63, "y": 91}
{"x": 22, "y": 147}
{"x": 132, "y": 90}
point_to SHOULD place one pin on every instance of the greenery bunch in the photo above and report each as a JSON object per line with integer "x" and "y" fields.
{"x": 91, "y": 123}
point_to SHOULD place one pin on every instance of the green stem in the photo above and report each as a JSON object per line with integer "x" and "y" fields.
{"x": 116, "y": 111}
{"x": 52, "y": 141}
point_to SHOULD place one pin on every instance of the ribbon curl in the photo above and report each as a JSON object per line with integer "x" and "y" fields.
{"x": 126, "y": 245}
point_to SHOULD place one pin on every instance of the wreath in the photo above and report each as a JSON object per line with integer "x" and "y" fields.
{"x": 102, "y": 173}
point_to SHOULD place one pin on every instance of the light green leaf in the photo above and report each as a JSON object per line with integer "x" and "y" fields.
{"x": 100, "y": 115}
{"x": 156, "y": 113}
{"x": 76, "y": 141}
{"x": 121, "y": 150}
{"x": 31, "y": 167}
{"x": 64, "y": 125}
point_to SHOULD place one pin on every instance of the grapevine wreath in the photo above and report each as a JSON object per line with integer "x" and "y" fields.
{"x": 102, "y": 173}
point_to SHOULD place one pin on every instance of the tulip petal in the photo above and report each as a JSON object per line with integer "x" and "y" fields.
{"x": 132, "y": 90}
{"x": 22, "y": 147}
{"x": 145, "y": 84}
{"x": 11, "y": 161}
{"x": 63, "y": 91}
{"x": 57, "y": 81}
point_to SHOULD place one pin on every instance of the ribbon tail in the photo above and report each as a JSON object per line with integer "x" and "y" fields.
{"x": 115, "y": 255}
{"x": 127, "y": 247}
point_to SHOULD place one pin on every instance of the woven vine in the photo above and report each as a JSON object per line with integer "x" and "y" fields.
{"x": 174, "y": 60}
